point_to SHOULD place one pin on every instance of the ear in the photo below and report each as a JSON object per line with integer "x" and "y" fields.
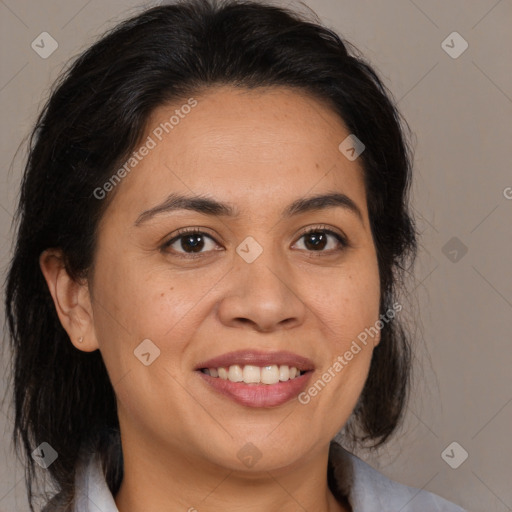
{"x": 72, "y": 301}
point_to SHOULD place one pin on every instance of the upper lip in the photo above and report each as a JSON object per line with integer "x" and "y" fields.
{"x": 258, "y": 358}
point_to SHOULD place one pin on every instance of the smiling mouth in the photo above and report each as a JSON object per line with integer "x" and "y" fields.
{"x": 252, "y": 374}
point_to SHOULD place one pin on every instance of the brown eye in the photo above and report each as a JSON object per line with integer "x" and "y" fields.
{"x": 317, "y": 239}
{"x": 191, "y": 241}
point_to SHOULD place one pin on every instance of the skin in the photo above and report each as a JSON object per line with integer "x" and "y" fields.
{"x": 258, "y": 150}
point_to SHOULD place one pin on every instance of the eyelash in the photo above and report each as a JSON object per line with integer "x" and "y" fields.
{"x": 197, "y": 231}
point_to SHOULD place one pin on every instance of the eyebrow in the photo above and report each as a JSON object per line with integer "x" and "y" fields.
{"x": 208, "y": 206}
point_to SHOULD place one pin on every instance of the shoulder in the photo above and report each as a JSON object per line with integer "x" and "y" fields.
{"x": 369, "y": 490}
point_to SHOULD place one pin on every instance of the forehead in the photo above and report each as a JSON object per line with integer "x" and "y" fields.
{"x": 242, "y": 146}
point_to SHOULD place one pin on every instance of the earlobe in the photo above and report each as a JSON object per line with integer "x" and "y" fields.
{"x": 71, "y": 299}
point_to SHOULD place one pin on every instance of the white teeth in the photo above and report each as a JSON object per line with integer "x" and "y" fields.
{"x": 235, "y": 373}
{"x": 284, "y": 372}
{"x": 251, "y": 374}
{"x": 270, "y": 374}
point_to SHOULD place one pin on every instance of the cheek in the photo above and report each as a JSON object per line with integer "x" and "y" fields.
{"x": 135, "y": 301}
{"x": 348, "y": 303}
{"x": 348, "y": 310}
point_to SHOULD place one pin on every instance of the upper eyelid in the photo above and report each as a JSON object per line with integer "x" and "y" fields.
{"x": 202, "y": 231}
{"x": 340, "y": 237}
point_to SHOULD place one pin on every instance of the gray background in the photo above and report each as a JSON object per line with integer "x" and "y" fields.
{"x": 460, "y": 111}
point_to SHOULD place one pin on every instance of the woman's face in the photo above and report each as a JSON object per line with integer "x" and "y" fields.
{"x": 251, "y": 282}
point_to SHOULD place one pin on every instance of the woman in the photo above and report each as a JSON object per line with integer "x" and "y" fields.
{"x": 213, "y": 226}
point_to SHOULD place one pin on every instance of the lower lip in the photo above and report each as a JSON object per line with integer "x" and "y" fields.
{"x": 258, "y": 395}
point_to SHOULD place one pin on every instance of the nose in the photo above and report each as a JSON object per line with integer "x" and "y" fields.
{"x": 262, "y": 296}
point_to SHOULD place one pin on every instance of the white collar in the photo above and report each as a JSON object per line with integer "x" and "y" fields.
{"x": 367, "y": 489}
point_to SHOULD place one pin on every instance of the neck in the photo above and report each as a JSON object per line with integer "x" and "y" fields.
{"x": 158, "y": 481}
